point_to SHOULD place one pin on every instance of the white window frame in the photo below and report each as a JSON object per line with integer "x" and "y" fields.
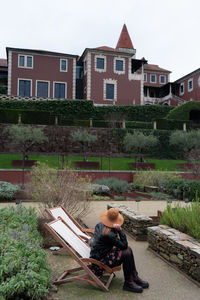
{"x": 66, "y": 60}
{"x": 42, "y": 81}
{"x": 182, "y": 85}
{"x": 155, "y": 78}
{"x": 95, "y": 63}
{"x": 25, "y": 61}
{"x": 145, "y": 75}
{"x": 27, "y": 79}
{"x": 190, "y": 89}
{"x": 65, "y": 88}
{"x": 110, "y": 81}
{"x": 116, "y": 71}
{"x": 164, "y": 76}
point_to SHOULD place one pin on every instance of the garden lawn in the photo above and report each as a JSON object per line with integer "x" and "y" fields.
{"x": 112, "y": 164}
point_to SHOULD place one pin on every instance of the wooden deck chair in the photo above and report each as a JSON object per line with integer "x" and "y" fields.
{"x": 80, "y": 252}
{"x": 60, "y": 211}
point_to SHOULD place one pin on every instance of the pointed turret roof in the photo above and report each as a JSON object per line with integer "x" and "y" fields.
{"x": 124, "y": 39}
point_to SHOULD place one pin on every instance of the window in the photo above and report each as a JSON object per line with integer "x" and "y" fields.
{"x": 110, "y": 89}
{"x": 24, "y": 88}
{"x": 42, "y": 89}
{"x": 153, "y": 78}
{"x": 21, "y": 61}
{"x": 162, "y": 79}
{"x": 100, "y": 63}
{"x": 145, "y": 77}
{"x": 181, "y": 90}
{"x": 59, "y": 90}
{"x": 63, "y": 65}
{"x": 190, "y": 85}
{"x": 119, "y": 65}
{"x": 25, "y": 61}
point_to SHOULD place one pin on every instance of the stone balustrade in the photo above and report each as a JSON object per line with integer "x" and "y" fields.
{"x": 135, "y": 222}
{"x": 176, "y": 247}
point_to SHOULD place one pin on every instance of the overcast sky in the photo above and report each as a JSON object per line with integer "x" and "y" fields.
{"x": 165, "y": 32}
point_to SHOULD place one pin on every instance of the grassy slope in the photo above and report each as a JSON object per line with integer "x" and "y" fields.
{"x": 115, "y": 163}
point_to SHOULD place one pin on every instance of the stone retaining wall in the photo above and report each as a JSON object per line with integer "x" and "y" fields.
{"x": 134, "y": 222}
{"x": 178, "y": 248}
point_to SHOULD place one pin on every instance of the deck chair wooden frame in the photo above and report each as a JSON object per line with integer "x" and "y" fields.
{"x": 60, "y": 211}
{"x": 79, "y": 250}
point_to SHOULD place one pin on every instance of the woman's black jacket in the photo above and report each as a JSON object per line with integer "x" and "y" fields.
{"x": 104, "y": 243}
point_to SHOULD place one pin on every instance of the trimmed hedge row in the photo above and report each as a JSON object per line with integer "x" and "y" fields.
{"x": 84, "y": 109}
{"x": 169, "y": 124}
{"x": 183, "y": 112}
{"x": 24, "y": 271}
{"x": 27, "y": 117}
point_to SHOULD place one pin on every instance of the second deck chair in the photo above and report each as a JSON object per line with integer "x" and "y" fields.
{"x": 80, "y": 252}
{"x": 60, "y": 211}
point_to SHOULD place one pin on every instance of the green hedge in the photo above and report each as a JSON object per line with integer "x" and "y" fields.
{"x": 24, "y": 271}
{"x": 183, "y": 112}
{"x": 9, "y": 116}
{"x": 72, "y": 109}
{"x": 183, "y": 188}
{"x": 169, "y": 124}
{"x": 137, "y": 124}
{"x": 27, "y": 117}
{"x": 84, "y": 109}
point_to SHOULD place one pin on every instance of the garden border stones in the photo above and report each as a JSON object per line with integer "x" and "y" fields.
{"x": 178, "y": 248}
{"x": 134, "y": 222}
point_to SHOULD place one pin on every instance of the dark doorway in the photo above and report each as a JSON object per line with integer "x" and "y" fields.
{"x": 195, "y": 116}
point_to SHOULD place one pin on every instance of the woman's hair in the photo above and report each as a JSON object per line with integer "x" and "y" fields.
{"x": 107, "y": 229}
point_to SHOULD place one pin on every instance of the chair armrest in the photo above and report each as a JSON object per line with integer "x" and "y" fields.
{"x": 88, "y": 230}
{"x": 101, "y": 265}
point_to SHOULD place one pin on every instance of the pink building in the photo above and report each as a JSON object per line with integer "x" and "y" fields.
{"x": 108, "y": 76}
{"x": 188, "y": 87}
{"x": 43, "y": 74}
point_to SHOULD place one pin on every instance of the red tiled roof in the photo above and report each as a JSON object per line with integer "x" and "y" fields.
{"x": 105, "y": 48}
{"x": 3, "y": 62}
{"x": 155, "y": 68}
{"x": 124, "y": 39}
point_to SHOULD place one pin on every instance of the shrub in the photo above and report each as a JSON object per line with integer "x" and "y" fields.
{"x": 183, "y": 188}
{"x": 115, "y": 185}
{"x": 52, "y": 189}
{"x": 153, "y": 178}
{"x": 185, "y": 219}
{"x": 138, "y": 141}
{"x": 183, "y": 112}
{"x": 24, "y": 271}
{"x": 8, "y": 190}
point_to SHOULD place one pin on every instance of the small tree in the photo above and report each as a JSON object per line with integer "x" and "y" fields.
{"x": 52, "y": 188}
{"x": 137, "y": 142}
{"x": 26, "y": 137}
{"x": 189, "y": 142}
{"x": 85, "y": 138}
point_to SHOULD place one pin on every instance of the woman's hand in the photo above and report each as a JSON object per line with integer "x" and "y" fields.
{"x": 117, "y": 227}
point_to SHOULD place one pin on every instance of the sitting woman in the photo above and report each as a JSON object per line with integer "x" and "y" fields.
{"x": 111, "y": 248}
